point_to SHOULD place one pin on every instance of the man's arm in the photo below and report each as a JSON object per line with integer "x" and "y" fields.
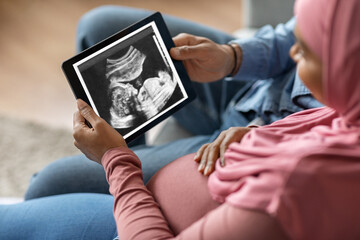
{"x": 263, "y": 56}
{"x": 267, "y": 53}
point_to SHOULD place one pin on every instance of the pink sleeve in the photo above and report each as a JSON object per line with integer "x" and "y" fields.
{"x": 136, "y": 213}
{"x": 138, "y": 216}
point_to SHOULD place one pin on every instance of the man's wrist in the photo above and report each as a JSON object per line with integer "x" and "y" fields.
{"x": 237, "y": 56}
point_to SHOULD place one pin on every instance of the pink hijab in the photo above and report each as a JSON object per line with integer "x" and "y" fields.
{"x": 332, "y": 31}
{"x": 315, "y": 141}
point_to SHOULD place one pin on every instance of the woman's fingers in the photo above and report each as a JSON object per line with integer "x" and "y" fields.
{"x": 87, "y": 112}
{"x": 233, "y": 134}
{"x": 94, "y": 141}
{"x": 200, "y": 152}
{"x": 203, "y": 160}
{"x": 228, "y": 139}
{"x": 78, "y": 120}
{"x": 208, "y": 154}
{"x": 213, "y": 151}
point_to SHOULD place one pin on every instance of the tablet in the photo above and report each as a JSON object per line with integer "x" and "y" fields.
{"x": 129, "y": 79}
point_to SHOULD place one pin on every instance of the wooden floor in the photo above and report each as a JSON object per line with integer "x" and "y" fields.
{"x": 38, "y": 35}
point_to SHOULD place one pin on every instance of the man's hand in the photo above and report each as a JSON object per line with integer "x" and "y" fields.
{"x": 93, "y": 141}
{"x": 204, "y": 60}
{"x": 209, "y": 153}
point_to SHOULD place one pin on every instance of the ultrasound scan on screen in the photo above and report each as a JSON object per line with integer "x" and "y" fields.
{"x": 132, "y": 80}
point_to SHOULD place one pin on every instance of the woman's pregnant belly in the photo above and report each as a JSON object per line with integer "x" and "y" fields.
{"x": 182, "y": 193}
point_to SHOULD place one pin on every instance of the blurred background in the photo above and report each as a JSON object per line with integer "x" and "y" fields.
{"x": 36, "y": 103}
{"x": 38, "y": 35}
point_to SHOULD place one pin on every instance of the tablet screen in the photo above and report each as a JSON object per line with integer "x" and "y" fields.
{"x": 130, "y": 80}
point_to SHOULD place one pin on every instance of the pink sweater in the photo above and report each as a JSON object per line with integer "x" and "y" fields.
{"x": 176, "y": 202}
{"x": 309, "y": 199}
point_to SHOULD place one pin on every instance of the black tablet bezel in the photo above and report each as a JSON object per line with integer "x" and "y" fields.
{"x": 79, "y": 92}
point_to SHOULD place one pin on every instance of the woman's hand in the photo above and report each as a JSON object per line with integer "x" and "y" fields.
{"x": 204, "y": 60}
{"x": 209, "y": 153}
{"x": 93, "y": 141}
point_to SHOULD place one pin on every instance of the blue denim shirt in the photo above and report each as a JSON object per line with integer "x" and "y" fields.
{"x": 277, "y": 90}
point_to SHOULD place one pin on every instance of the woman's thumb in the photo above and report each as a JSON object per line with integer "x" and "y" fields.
{"x": 87, "y": 112}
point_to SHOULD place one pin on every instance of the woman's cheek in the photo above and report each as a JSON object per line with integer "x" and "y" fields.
{"x": 301, "y": 68}
{"x": 311, "y": 75}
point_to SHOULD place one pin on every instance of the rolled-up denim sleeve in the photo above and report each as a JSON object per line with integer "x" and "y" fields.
{"x": 266, "y": 54}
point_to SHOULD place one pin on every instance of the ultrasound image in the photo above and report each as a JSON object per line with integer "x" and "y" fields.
{"x": 131, "y": 82}
{"x": 133, "y": 98}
